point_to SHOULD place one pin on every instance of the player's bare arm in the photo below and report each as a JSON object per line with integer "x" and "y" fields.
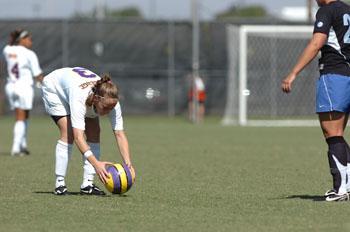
{"x": 309, "y": 53}
{"x": 123, "y": 146}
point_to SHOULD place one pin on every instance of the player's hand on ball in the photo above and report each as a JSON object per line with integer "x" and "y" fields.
{"x": 101, "y": 171}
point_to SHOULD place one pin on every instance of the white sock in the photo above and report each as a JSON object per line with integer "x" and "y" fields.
{"x": 343, "y": 185}
{"x": 348, "y": 176}
{"x": 63, "y": 154}
{"x": 343, "y": 174}
{"x": 24, "y": 139}
{"x": 18, "y": 134}
{"x": 60, "y": 181}
{"x": 89, "y": 170}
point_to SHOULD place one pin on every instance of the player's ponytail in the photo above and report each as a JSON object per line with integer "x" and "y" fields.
{"x": 103, "y": 88}
{"x": 13, "y": 37}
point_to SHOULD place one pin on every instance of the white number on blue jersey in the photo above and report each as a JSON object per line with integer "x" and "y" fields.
{"x": 346, "y": 21}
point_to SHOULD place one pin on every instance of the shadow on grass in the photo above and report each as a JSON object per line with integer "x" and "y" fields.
{"x": 306, "y": 197}
{"x": 6, "y": 153}
{"x": 78, "y": 194}
{"x": 51, "y": 193}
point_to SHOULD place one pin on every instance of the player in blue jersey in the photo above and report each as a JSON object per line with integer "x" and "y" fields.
{"x": 332, "y": 37}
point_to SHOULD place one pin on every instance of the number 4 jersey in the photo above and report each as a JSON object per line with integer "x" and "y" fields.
{"x": 22, "y": 64}
{"x": 65, "y": 92}
{"x": 333, "y": 20}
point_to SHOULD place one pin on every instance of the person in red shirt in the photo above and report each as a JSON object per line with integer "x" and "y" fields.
{"x": 197, "y": 95}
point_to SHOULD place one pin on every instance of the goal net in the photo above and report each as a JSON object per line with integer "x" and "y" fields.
{"x": 259, "y": 58}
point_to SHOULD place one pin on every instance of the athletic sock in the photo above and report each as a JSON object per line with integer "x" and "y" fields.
{"x": 348, "y": 168}
{"x": 18, "y": 133}
{"x": 89, "y": 170}
{"x": 24, "y": 139}
{"x": 60, "y": 181}
{"x": 337, "y": 158}
{"x": 63, "y": 154}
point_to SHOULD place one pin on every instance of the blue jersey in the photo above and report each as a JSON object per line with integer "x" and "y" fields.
{"x": 333, "y": 20}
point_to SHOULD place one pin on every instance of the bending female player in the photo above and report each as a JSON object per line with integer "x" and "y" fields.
{"x": 74, "y": 98}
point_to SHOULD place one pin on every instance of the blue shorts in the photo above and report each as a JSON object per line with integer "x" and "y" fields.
{"x": 333, "y": 93}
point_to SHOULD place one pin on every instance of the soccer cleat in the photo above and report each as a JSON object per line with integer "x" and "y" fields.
{"x": 92, "y": 190}
{"x": 61, "y": 190}
{"x": 338, "y": 197}
{"x": 330, "y": 192}
{"x": 25, "y": 151}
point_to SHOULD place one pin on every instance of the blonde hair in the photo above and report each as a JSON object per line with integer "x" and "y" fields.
{"x": 103, "y": 88}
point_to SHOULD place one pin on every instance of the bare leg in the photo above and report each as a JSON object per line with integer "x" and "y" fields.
{"x": 201, "y": 112}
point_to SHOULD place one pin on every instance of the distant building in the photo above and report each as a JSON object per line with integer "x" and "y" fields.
{"x": 296, "y": 14}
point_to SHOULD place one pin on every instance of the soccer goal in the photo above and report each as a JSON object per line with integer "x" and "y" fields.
{"x": 259, "y": 58}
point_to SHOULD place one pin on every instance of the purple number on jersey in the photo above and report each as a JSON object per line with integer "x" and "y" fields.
{"x": 14, "y": 70}
{"x": 84, "y": 72}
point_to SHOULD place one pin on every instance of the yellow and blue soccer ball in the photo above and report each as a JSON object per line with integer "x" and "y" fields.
{"x": 120, "y": 180}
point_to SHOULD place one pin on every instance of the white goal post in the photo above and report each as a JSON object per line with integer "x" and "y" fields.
{"x": 259, "y": 57}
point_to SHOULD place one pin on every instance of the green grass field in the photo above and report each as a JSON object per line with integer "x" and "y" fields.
{"x": 189, "y": 178}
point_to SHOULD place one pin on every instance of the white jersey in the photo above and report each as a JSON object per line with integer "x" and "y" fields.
{"x": 65, "y": 92}
{"x": 199, "y": 84}
{"x": 22, "y": 64}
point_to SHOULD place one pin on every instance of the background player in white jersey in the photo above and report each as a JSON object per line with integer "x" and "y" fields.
{"x": 196, "y": 95}
{"x": 75, "y": 97}
{"x": 22, "y": 67}
{"x": 331, "y": 37}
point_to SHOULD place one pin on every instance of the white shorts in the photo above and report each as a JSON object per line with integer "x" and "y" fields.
{"x": 54, "y": 105}
{"x": 20, "y": 96}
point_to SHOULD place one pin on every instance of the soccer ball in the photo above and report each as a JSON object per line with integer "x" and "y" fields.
{"x": 120, "y": 180}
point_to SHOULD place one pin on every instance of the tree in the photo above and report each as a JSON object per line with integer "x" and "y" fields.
{"x": 253, "y": 11}
{"x": 128, "y": 12}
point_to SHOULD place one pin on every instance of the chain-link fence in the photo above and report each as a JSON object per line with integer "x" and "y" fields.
{"x": 150, "y": 61}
